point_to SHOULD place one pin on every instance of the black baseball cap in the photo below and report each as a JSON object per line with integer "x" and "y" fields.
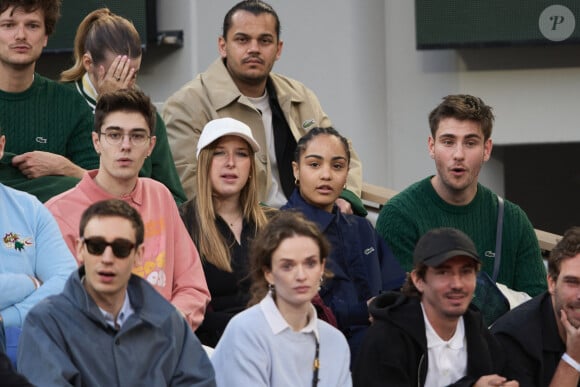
{"x": 440, "y": 244}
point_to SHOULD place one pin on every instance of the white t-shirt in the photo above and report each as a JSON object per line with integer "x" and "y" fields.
{"x": 276, "y": 197}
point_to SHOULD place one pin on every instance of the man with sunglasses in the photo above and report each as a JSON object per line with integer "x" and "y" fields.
{"x": 110, "y": 327}
{"x": 124, "y": 136}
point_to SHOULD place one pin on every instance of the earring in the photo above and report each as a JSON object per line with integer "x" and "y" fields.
{"x": 321, "y": 282}
{"x": 296, "y": 182}
{"x": 271, "y": 287}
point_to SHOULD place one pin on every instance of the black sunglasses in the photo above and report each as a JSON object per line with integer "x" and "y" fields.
{"x": 97, "y": 245}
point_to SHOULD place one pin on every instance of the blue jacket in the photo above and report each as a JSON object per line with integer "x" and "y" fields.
{"x": 66, "y": 341}
{"x": 362, "y": 264}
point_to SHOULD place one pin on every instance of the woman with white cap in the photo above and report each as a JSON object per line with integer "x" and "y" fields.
{"x": 223, "y": 217}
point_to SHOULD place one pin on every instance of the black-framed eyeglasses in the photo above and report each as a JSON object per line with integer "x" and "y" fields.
{"x": 115, "y": 137}
{"x": 97, "y": 245}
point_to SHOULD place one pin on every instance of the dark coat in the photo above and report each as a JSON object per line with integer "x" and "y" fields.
{"x": 394, "y": 351}
{"x": 529, "y": 337}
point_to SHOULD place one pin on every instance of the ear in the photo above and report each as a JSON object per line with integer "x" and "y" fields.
{"x": 79, "y": 250}
{"x": 296, "y": 170}
{"x": 268, "y": 275}
{"x": 222, "y": 47}
{"x": 152, "y": 145}
{"x": 487, "y": 146}
{"x": 279, "y": 51}
{"x": 139, "y": 254}
{"x": 551, "y": 284}
{"x": 87, "y": 61}
{"x": 96, "y": 142}
{"x": 431, "y": 146}
{"x": 417, "y": 281}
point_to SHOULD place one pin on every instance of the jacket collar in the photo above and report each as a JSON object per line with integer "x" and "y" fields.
{"x": 223, "y": 91}
{"x": 95, "y": 193}
{"x": 155, "y": 311}
{"x": 322, "y": 218}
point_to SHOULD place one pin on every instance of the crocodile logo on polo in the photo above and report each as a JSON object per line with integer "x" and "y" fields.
{"x": 14, "y": 241}
{"x": 308, "y": 123}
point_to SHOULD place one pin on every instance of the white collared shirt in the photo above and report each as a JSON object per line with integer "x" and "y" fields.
{"x": 124, "y": 313}
{"x": 277, "y": 322}
{"x": 447, "y": 359}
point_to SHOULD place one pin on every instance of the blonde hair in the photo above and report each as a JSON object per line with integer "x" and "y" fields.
{"x": 102, "y": 31}
{"x": 211, "y": 244}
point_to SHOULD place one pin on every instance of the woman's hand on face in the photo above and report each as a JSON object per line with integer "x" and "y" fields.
{"x": 118, "y": 76}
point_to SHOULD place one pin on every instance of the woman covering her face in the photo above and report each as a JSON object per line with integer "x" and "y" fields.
{"x": 107, "y": 53}
{"x": 279, "y": 341}
{"x": 222, "y": 219}
{"x": 362, "y": 264}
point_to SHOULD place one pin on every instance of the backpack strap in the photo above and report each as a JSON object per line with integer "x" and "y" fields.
{"x": 498, "y": 237}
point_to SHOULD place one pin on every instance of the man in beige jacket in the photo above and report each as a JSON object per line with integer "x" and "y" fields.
{"x": 240, "y": 84}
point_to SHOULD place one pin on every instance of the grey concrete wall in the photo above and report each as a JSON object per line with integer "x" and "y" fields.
{"x": 360, "y": 59}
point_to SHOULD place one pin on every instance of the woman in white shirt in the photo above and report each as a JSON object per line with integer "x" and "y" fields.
{"x": 279, "y": 341}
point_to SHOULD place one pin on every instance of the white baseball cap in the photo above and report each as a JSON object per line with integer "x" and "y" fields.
{"x": 220, "y": 127}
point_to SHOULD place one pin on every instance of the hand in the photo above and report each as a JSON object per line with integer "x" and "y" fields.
{"x": 371, "y": 319}
{"x": 120, "y": 75}
{"x": 572, "y": 337}
{"x": 495, "y": 380}
{"x": 344, "y": 206}
{"x": 36, "y": 281}
{"x": 38, "y": 163}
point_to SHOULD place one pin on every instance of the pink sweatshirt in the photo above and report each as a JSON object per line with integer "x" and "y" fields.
{"x": 171, "y": 262}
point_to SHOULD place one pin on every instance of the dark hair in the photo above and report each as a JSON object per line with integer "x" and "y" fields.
{"x": 463, "y": 107}
{"x": 130, "y": 100}
{"x": 255, "y": 7}
{"x": 409, "y": 289}
{"x": 110, "y": 208}
{"x": 567, "y": 247}
{"x": 50, "y": 9}
{"x": 102, "y": 31}
{"x": 304, "y": 140}
{"x": 283, "y": 225}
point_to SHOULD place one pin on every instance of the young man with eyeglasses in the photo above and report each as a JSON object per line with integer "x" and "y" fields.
{"x": 109, "y": 327}
{"x": 124, "y": 135}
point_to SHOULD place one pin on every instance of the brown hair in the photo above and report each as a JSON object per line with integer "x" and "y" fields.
{"x": 284, "y": 225}
{"x": 463, "y": 107}
{"x": 50, "y": 9}
{"x": 100, "y": 32}
{"x": 567, "y": 247}
{"x": 409, "y": 289}
{"x": 130, "y": 100}
{"x": 110, "y": 208}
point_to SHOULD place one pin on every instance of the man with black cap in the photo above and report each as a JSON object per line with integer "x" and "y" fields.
{"x": 429, "y": 336}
